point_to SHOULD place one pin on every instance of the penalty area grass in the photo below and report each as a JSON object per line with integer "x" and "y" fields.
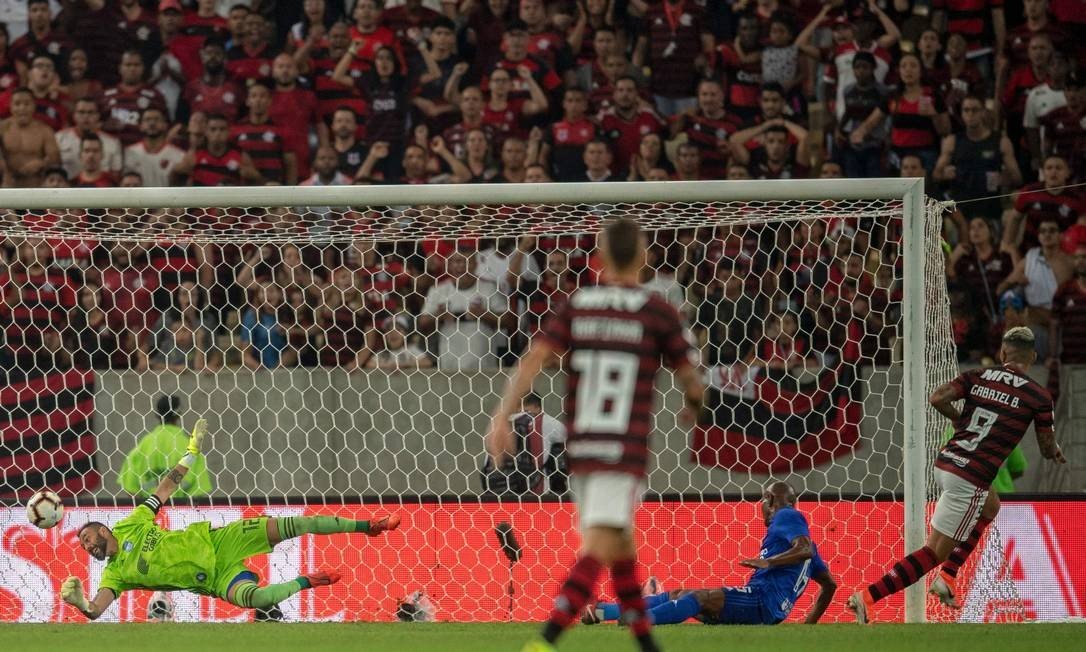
{"x": 488, "y": 637}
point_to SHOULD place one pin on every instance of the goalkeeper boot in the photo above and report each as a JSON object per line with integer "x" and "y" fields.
{"x": 859, "y": 603}
{"x": 944, "y": 588}
{"x": 322, "y": 578}
{"x": 387, "y": 524}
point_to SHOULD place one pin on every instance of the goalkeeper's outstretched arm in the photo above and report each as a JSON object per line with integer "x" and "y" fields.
{"x": 72, "y": 593}
{"x": 172, "y": 481}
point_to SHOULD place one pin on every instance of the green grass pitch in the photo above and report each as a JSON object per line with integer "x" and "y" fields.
{"x": 448, "y": 637}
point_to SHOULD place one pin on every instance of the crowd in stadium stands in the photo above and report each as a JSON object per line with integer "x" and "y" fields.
{"x": 99, "y": 93}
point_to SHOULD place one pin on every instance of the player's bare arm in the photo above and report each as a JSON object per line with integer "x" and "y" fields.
{"x": 499, "y": 439}
{"x": 1050, "y": 450}
{"x": 693, "y": 392}
{"x": 942, "y": 400}
{"x": 802, "y": 549}
{"x": 827, "y": 588}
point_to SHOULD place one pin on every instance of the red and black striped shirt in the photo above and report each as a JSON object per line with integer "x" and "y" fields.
{"x": 970, "y": 18}
{"x": 743, "y": 82}
{"x": 174, "y": 259}
{"x": 35, "y": 304}
{"x": 122, "y": 107}
{"x": 1069, "y": 308}
{"x": 1038, "y": 205}
{"x": 1000, "y": 403}
{"x": 711, "y": 137}
{"x": 1065, "y": 134}
{"x": 910, "y": 129}
{"x": 265, "y": 146}
{"x": 243, "y": 63}
{"x": 616, "y": 339}
{"x": 332, "y": 95}
{"x": 211, "y": 170}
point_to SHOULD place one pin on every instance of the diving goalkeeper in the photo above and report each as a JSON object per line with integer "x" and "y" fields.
{"x": 200, "y": 559}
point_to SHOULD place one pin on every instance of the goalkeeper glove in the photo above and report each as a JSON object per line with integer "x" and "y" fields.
{"x": 196, "y": 439}
{"x": 71, "y": 590}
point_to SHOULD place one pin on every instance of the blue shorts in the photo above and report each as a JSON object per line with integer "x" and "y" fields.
{"x": 743, "y": 605}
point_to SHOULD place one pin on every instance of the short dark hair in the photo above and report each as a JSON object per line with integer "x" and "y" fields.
{"x": 623, "y": 241}
{"x": 443, "y": 21}
{"x": 773, "y": 87}
{"x": 89, "y": 138}
{"x": 216, "y": 116}
{"x": 533, "y": 399}
{"x": 777, "y": 129}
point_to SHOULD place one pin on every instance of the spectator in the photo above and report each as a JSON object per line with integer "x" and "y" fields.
{"x": 675, "y": 35}
{"x": 182, "y": 340}
{"x": 708, "y": 128}
{"x": 593, "y": 17}
{"x": 171, "y": 53}
{"x": 781, "y": 63}
{"x": 138, "y": 23}
{"x": 1016, "y": 48}
{"x": 369, "y": 36}
{"x": 465, "y": 312}
{"x": 205, "y": 21}
{"x": 96, "y": 341}
{"x": 687, "y": 163}
{"x": 154, "y": 156}
{"x": 251, "y": 58}
{"x": 212, "y": 91}
{"x": 977, "y": 164}
{"x": 485, "y": 30}
{"x": 508, "y": 116}
{"x": 385, "y": 92}
{"x": 396, "y": 352}
{"x": 514, "y": 158}
{"x": 1024, "y": 79}
{"x": 1036, "y": 202}
{"x": 325, "y": 169}
{"x": 564, "y": 141}
{"x": 50, "y": 107}
{"x": 515, "y": 54}
{"x": 1067, "y": 327}
{"x": 312, "y": 29}
{"x": 39, "y": 38}
{"x": 597, "y": 162}
{"x": 979, "y": 22}
{"x": 1042, "y": 100}
{"x": 741, "y": 67}
{"x": 650, "y": 155}
{"x": 87, "y": 122}
{"x": 156, "y": 453}
{"x": 471, "y": 116}
{"x": 1043, "y": 269}
{"x": 263, "y": 141}
{"x": 597, "y": 77}
{"x": 978, "y": 267}
{"x": 91, "y": 174}
{"x": 727, "y": 323}
{"x": 432, "y": 67}
{"x": 1065, "y": 127}
{"x": 350, "y": 152}
{"x": 343, "y": 324}
{"x": 543, "y": 42}
{"x": 918, "y": 116}
{"x": 263, "y": 332}
{"x": 294, "y": 110}
{"x": 95, "y": 27}
{"x": 477, "y": 157}
{"x": 626, "y": 122}
{"x": 773, "y": 160}
{"x": 216, "y": 164}
{"x": 128, "y": 289}
{"x": 862, "y": 133}
{"x": 28, "y": 145}
{"x": 123, "y": 103}
{"x": 79, "y": 86}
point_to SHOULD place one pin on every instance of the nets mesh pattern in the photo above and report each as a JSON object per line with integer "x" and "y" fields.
{"x": 348, "y": 359}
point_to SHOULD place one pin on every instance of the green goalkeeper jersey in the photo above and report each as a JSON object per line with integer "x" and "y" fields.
{"x": 149, "y": 557}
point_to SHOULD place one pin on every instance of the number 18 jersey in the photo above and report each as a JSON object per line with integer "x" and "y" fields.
{"x": 999, "y": 405}
{"x": 616, "y": 338}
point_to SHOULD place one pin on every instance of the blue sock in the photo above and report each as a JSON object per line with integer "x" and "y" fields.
{"x": 675, "y": 611}
{"x": 656, "y": 600}
{"x": 610, "y": 610}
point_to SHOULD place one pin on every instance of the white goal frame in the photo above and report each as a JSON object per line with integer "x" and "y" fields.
{"x": 909, "y": 191}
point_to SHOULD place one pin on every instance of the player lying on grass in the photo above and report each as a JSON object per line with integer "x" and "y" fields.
{"x": 200, "y": 559}
{"x": 1000, "y": 403}
{"x": 788, "y": 560}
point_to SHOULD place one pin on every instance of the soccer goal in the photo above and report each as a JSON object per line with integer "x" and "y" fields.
{"x": 347, "y": 344}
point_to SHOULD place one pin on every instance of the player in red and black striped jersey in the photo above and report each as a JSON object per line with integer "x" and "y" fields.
{"x": 218, "y": 164}
{"x": 1000, "y": 404}
{"x": 615, "y": 336}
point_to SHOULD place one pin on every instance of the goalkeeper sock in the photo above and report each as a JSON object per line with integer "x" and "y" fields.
{"x": 296, "y": 526}
{"x": 262, "y": 597}
{"x": 628, "y": 589}
{"x": 674, "y": 612}
{"x": 965, "y": 548}
{"x": 904, "y": 573}
{"x": 575, "y": 593}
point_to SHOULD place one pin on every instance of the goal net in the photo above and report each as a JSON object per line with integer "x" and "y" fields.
{"x": 347, "y": 345}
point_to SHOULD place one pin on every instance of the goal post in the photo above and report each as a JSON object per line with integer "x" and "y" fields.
{"x": 379, "y": 446}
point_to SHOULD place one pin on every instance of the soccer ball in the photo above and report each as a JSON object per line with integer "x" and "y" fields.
{"x": 160, "y": 608}
{"x": 44, "y": 509}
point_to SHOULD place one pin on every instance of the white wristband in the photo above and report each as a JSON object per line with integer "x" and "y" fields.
{"x": 187, "y": 461}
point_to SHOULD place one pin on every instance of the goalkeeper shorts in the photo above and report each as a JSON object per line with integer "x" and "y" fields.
{"x": 743, "y": 605}
{"x": 233, "y": 544}
{"x": 958, "y": 509}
